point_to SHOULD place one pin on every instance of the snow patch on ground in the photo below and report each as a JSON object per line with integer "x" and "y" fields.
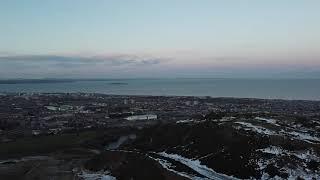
{"x": 293, "y": 170}
{"x": 224, "y": 119}
{"x": 184, "y": 121}
{"x": 266, "y": 176}
{"x": 307, "y": 155}
{"x": 258, "y": 129}
{"x": 189, "y": 121}
{"x": 300, "y": 172}
{"x": 270, "y": 121}
{"x": 101, "y": 175}
{"x": 273, "y": 150}
{"x": 304, "y": 137}
{"x": 196, "y": 166}
{"x": 263, "y": 163}
{"x": 168, "y": 166}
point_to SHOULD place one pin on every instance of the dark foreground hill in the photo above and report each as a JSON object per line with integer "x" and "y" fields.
{"x": 226, "y": 148}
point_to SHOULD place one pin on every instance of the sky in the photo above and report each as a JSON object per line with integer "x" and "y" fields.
{"x": 159, "y": 38}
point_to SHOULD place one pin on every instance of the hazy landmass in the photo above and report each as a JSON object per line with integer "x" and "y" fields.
{"x": 42, "y": 81}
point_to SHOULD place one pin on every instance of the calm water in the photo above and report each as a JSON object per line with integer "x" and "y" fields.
{"x": 308, "y": 89}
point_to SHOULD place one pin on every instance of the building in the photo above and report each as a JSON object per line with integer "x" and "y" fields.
{"x": 142, "y": 117}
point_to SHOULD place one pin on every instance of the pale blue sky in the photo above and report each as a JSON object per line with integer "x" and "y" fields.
{"x": 171, "y": 37}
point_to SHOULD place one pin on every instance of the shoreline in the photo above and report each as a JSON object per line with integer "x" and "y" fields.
{"x": 164, "y": 96}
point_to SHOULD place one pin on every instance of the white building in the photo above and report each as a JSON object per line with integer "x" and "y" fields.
{"x": 142, "y": 117}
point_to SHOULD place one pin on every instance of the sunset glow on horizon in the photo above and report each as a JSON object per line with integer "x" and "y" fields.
{"x": 208, "y": 38}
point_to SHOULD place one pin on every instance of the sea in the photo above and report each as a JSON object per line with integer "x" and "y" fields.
{"x": 292, "y": 89}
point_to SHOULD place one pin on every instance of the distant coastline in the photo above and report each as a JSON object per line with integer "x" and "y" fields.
{"x": 44, "y": 81}
{"x": 35, "y": 81}
{"x": 290, "y": 89}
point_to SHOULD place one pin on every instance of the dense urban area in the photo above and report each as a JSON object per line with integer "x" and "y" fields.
{"x": 98, "y": 136}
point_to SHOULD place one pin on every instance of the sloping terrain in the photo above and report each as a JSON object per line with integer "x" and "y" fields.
{"x": 228, "y": 148}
